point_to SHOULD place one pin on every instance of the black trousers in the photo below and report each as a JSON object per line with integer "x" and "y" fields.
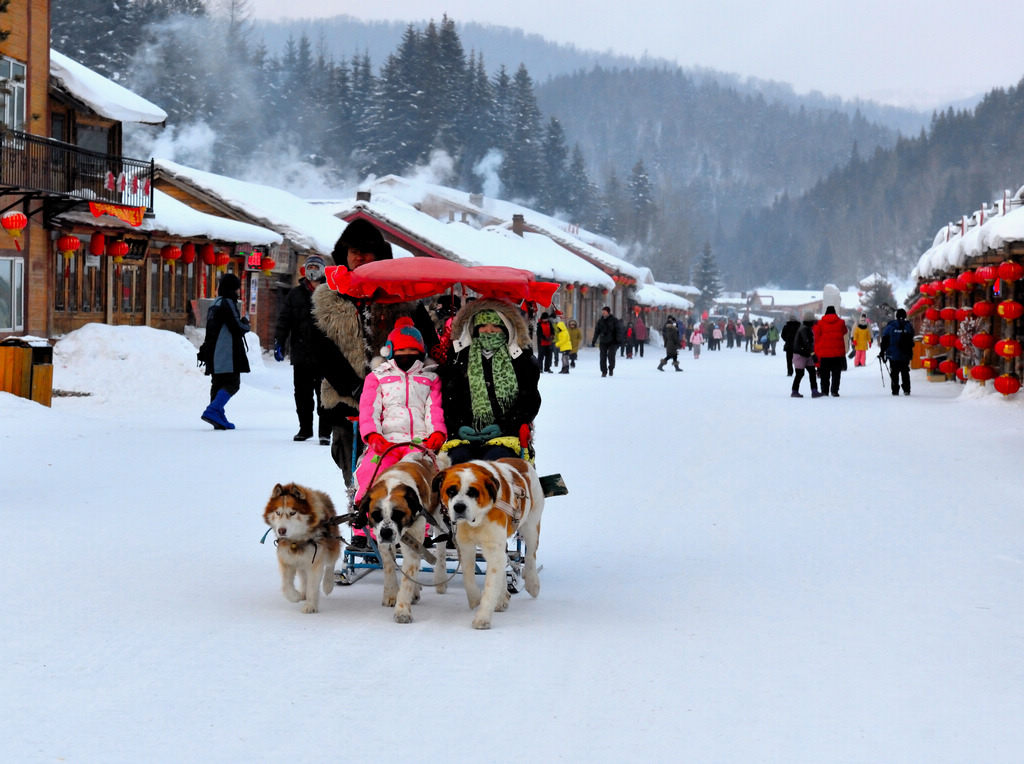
{"x": 830, "y": 370}
{"x": 899, "y": 371}
{"x": 231, "y": 382}
{"x": 307, "y": 399}
{"x": 607, "y": 357}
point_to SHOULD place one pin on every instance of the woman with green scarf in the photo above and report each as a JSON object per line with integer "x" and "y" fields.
{"x": 489, "y": 382}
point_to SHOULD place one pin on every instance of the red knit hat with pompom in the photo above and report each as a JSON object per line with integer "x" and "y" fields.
{"x": 404, "y": 335}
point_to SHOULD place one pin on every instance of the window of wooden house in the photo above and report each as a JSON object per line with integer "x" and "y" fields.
{"x": 59, "y": 126}
{"x": 79, "y": 283}
{"x": 12, "y": 294}
{"x": 169, "y": 285}
{"x": 12, "y": 91}
{"x": 93, "y": 138}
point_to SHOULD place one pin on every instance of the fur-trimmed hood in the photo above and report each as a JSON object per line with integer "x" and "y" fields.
{"x": 515, "y": 324}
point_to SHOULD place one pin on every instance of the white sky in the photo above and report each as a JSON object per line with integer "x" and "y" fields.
{"x": 911, "y": 52}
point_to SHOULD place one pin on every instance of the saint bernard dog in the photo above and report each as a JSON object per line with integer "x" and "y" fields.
{"x": 306, "y": 539}
{"x": 489, "y": 501}
{"x": 394, "y": 507}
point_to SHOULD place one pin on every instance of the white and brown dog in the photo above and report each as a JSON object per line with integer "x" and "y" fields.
{"x": 488, "y": 502}
{"x": 396, "y": 506}
{"x": 306, "y": 539}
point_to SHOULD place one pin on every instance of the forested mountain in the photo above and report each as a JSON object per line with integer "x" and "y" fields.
{"x": 882, "y": 211}
{"x": 665, "y": 160}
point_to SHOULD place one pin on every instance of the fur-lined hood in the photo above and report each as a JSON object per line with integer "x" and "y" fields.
{"x": 515, "y": 324}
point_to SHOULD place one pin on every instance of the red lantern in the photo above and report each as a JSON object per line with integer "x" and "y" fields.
{"x": 222, "y": 259}
{"x": 209, "y": 254}
{"x": 117, "y": 250}
{"x": 68, "y": 245}
{"x": 930, "y": 339}
{"x": 1008, "y": 348}
{"x": 982, "y": 340}
{"x": 584, "y": 289}
{"x": 965, "y": 281}
{"x": 961, "y": 373}
{"x": 959, "y": 345}
{"x": 170, "y": 253}
{"x": 267, "y": 264}
{"x": 949, "y": 285}
{"x": 947, "y": 367}
{"x": 948, "y": 314}
{"x": 986, "y": 273}
{"x": 930, "y": 363}
{"x": 981, "y": 372}
{"x": 925, "y": 289}
{"x": 1010, "y": 271}
{"x": 936, "y": 287}
{"x": 984, "y": 309}
{"x": 188, "y": 253}
{"x": 570, "y": 287}
{"x": 14, "y": 223}
{"x": 1010, "y": 310}
{"x": 947, "y": 340}
{"x": 962, "y": 314}
{"x": 97, "y": 244}
{"x": 1007, "y": 384}
{"x": 932, "y": 314}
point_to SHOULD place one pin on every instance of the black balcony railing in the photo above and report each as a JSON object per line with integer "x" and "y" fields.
{"x": 49, "y": 168}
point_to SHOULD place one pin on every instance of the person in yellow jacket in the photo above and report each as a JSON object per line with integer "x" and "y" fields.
{"x": 862, "y": 340}
{"x": 576, "y": 338}
{"x": 562, "y": 341}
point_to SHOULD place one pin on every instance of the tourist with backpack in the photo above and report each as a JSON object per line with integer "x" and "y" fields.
{"x": 803, "y": 356}
{"x": 898, "y": 347}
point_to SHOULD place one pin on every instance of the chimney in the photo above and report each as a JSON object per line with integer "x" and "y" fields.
{"x": 476, "y": 199}
{"x": 362, "y": 196}
{"x": 518, "y": 222}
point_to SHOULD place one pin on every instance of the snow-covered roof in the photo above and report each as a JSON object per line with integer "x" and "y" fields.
{"x": 600, "y": 248}
{"x": 649, "y": 294}
{"x": 306, "y": 226}
{"x": 103, "y": 96}
{"x": 493, "y": 245}
{"x": 680, "y": 289}
{"x": 788, "y": 298}
{"x": 178, "y": 219}
{"x": 953, "y": 246}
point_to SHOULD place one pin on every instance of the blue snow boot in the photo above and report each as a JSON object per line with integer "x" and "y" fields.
{"x": 214, "y": 413}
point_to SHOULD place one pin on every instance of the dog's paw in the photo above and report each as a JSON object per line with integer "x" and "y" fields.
{"x": 292, "y": 595}
{"x": 474, "y": 601}
{"x": 442, "y": 587}
{"x": 403, "y": 616}
{"x": 388, "y": 600}
{"x": 481, "y": 623}
{"x": 309, "y": 607}
{"x": 533, "y": 585}
{"x": 502, "y": 605}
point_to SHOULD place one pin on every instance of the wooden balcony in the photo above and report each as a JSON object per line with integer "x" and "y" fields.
{"x": 43, "y": 168}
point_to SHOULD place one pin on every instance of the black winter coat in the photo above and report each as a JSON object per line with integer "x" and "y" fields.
{"x": 295, "y": 323}
{"x": 606, "y": 331}
{"x": 789, "y": 334}
{"x": 458, "y": 407}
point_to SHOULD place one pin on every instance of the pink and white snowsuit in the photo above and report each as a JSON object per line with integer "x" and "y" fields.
{"x": 399, "y": 406}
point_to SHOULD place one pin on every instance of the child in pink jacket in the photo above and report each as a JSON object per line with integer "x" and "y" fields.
{"x": 400, "y": 403}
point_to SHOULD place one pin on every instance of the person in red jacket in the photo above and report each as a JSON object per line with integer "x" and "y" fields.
{"x": 831, "y": 343}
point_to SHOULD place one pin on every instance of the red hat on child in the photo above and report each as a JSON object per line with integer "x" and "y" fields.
{"x": 404, "y": 335}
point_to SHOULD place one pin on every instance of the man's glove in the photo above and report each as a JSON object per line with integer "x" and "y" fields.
{"x": 435, "y": 440}
{"x": 377, "y": 442}
{"x": 278, "y": 352}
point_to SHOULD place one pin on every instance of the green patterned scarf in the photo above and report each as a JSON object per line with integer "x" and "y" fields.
{"x": 506, "y": 386}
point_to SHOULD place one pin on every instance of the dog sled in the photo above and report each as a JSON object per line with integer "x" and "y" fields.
{"x": 416, "y": 278}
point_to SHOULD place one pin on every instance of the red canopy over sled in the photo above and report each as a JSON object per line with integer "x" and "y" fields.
{"x": 413, "y": 278}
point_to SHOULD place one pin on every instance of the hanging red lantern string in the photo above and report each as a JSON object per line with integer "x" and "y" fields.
{"x": 209, "y": 254}
{"x": 1010, "y": 271}
{"x": 1007, "y": 384}
{"x": 1010, "y": 310}
{"x": 169, "y": 253}
{"x": 118, "y": 249}
{"x": 68, "y": 245}
{"x": 188, "y": 253}
{"x": 14, "y": 223}
{"x": 97, "y": 244}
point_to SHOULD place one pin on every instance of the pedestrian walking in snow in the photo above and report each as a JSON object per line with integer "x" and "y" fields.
{"x": 609, "y": 333}
{"x": 576, "y": 342}
{"x": 696, "y": 340}
{"x": 223, "y": 350}
{"x": 670, "y": 335}
{"x": 862, "y": 340}
{"x": 788, "y": 334}
{"x": 897, "y": 345}
{"x": 803, "y": 357}
{"x": 294, "y": 331}
{"x": 831, "y": 343}
{"x": 563, "y": 342}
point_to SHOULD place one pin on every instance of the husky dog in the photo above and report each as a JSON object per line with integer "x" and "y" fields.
{"x": 306, "y": 541}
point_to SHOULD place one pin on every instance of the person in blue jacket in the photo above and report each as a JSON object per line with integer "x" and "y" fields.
{"x": 898, "y": 346}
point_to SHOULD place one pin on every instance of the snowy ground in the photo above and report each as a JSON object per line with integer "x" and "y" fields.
{"x": 736, "y": 576}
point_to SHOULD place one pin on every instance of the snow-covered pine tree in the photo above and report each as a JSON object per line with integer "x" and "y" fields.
{"x": 706, "y": 279}
{"x": 642, "y": 207}
{"x": 522, "y": 169}
{"x": 554, "y": 190}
